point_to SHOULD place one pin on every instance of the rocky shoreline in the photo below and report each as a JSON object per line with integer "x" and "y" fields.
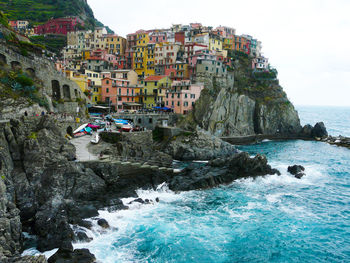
{"x": 43, "y": 190}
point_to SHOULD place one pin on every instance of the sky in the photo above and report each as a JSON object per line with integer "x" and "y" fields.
{"x": 307, "y": 41}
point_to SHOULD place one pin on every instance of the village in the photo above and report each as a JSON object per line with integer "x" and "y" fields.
{"x": 160, "y": 70}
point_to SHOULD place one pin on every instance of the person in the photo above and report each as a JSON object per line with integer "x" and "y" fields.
{"x": 42, "y": 113}
{"x": 26, "y": 113}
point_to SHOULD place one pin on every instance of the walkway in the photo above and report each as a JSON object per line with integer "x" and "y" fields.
{"x": 82, "y": 151}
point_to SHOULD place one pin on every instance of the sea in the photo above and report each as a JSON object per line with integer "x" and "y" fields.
{"x": 267, "y": 219}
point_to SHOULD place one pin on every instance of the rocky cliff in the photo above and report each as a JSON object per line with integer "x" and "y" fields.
{"x": 254, "y": 103}
{"x": 44, "y": 191}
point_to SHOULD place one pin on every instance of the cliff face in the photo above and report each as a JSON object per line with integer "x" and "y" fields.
{"x": 246, "y": 106}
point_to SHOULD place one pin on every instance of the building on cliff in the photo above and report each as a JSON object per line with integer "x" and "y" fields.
{"x": 59, "y": 26}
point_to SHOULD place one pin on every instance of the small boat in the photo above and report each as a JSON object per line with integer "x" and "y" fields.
{"x": 127, "y": 127}
{"x": 79, "y": 134}
{"x": 96, "y": 140}
{"x": 80, "y": 128}
{"x": 120, "y": 122}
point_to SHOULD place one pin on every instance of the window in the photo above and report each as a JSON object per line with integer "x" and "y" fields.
{"x": 206, "y": 68}
{"x": 178, "y": 95}
{"x": 150, "y": 119}
{"x": 119, "y": 98}
{"x": 120, "y": 91}
{"x": 185, "y": 103}
{"x": 107, "y": 81}
{"x": 185, "y": 95}
{"x": 107, "y": 90}
{"x": 166, "y": 103}
{"x": 172, "y": 103}
{"x": 178, "y": 103}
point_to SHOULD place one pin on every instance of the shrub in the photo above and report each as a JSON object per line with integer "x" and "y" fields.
{"x": 24, "y": 80}
{"x": 33, "y": 136}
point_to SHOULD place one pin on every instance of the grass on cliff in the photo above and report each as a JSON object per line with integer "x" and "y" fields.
{"x": 263, "y": 87}
{"x": 17, "y": 84}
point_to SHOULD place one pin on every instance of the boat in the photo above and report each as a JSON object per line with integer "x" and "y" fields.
{"x": 120, "y": 122}
{"x": 127, "y": 128}
{"x": 96, "y": 140}
{"x": 79, "y": 134}
{"x": 80, "y": 128}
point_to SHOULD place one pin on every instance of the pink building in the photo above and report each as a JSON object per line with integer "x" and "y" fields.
{"x": 157, "y": 37}
{"x": 117, "y": 92}
{"x": 182, "y": 96}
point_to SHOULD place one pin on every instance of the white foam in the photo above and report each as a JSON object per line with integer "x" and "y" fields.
{"x": 35, "y": 252}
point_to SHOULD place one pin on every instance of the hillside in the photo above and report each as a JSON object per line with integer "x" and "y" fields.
{"x": 39, "y": 11}
{"x": 254, "y": 103}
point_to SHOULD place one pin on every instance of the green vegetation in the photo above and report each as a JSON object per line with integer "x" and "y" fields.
{"x": 40, "y": 11}
{"x": 262, "y": 86}
{"x": 33, "y": 136}
{"x": 53, "y": 43}
{"x": 16, "y": 84}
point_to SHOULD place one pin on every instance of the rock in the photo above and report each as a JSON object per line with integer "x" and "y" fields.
{"x": 103, "y": 223}
{"x": 201, "y": 146}
{"x": 224, "y": 109}
{"x": 307, "y": 130}
{"x": 138, "y": 200}
{"x": 299, "y": 175}
{"x": 31, "y": 259}
{"x": 319, "y": 130}
{"x": 297, "y": 171}
{"x": 221, "y": 172}
{"x": 82, "y": 237}
{"x": 67, "y": 256}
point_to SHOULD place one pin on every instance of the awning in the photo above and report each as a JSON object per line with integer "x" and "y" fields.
{"x": 131, "y": 104}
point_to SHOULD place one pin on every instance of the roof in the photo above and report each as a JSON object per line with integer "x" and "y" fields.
{"x": 154, "y": 78}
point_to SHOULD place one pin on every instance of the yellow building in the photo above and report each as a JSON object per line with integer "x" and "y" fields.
{"x": 228, "y": 44}
{"x": 85, "y": 55}
{"x": 141, "y": 54}
{"x": 215, "y": 43}
{"x": 114, "y": 44}
{"x": 154, "y": 90}
{"x": 94, "y": 83}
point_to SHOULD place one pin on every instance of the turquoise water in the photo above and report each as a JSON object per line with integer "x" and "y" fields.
{"x": 336, "y": 119}
{"x": 269, "y": 219}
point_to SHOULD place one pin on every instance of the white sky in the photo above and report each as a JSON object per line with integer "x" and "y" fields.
{"x": 308, "y": 41}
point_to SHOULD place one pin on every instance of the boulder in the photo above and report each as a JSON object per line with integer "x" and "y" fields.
{"x": 307, "y": 130}
{"x": 222, "y": 171}
{"x": 319, "y": 130}
{"x": 103, "y": 223}
{"x": 66, "y": 254}
{"x": 297, "y": 171}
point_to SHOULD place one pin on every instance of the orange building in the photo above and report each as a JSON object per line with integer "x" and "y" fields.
{"x": 119, "y": 93}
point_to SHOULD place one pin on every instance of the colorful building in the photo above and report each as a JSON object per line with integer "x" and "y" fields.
{"x": 94, "y": 83}
{"x": 59, "y": 26}
{"x": 118, "y": 93}
{"x": 154, "y": 90}
{"x": 182, "y": 95}
{"x": 114, "y": 44}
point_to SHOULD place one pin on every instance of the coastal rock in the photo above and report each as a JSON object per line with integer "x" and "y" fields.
{"x": 307, "y": 130}
{"x": 221, "y": 171}
{"x": 199, "y": 145}
{"x": 103, "y": 223}
{"x": 66, "y": 254}
{"x": 297, "y": 171}
{"x": 319, "y": 130}
{"x": 247, "y": 106}
{"x": 30, "y": 259}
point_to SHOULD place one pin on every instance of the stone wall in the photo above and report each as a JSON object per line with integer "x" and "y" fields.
{"x": 56, "y": 85}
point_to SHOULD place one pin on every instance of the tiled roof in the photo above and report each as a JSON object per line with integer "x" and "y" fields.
{"x": 154, "y": 78}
